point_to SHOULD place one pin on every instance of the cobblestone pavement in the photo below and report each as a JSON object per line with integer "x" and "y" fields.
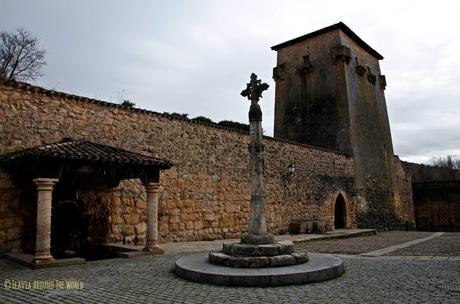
{"x": 385, "y": 279}
{"x": 150, "y": 280}
{"x": 362, "y": 244}
{"x": 445, "y": 245}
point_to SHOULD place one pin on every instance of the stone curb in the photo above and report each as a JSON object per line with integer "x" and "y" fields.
{"x": 389, "y": 249}
{"x": 320, "y": 268}
{"x": 398, "y": 257}
{"x": 338, "y": 236}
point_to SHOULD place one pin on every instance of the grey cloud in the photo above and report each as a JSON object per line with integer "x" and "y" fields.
{"x": 195, "y": 57}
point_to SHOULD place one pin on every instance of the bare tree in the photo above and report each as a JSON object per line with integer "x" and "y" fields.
{"x": 20, "y": 57}
{"x": 456, "y": 163}
{"x": 446, "y": 162}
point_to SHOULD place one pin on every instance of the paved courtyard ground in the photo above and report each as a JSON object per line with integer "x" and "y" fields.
{"x": 362, "y": 244}
{"x": 414, "y": 275}
{"x": 446, "y": 245}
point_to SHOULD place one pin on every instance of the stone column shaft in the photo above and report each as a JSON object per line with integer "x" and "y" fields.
{"x": 257, "y": 227}
{"x": 152, "y": 244}
{"x": 44, "y": 204}
{"x": 257, "y": 223}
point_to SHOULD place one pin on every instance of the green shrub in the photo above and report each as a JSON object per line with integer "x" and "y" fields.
{"x": 234, "y": 125}
{"x": 203, "y": 119}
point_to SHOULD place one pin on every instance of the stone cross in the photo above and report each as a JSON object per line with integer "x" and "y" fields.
{"x": 257, "y": 229}
{"x": 254, "y": 89}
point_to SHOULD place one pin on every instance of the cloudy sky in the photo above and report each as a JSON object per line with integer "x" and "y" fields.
{"x": 196, "y": 56}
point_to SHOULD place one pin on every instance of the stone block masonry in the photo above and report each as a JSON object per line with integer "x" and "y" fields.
{"x": 330, "y": 94}
{"x": 437, "y": 205}
{"x": 205, "y": 196}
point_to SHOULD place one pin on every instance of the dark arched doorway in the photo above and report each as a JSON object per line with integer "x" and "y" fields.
{"x": 339, "y": 212}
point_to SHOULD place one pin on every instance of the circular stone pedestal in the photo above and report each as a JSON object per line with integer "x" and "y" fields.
{"x": 242, "y": 255}
{"x": 319, "y": 268}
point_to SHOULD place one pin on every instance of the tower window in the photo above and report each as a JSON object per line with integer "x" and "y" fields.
{"x": 306, "y": 61}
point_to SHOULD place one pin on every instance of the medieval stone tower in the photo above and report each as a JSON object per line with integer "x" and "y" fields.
{"x": 330, "y": 94}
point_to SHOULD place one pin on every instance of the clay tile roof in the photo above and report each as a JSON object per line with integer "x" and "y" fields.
{"x": 338, "y": 26}
{"x": 83, "y": 150}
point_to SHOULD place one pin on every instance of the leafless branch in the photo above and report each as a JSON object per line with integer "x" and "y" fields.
{"x": 20, "y": 57}
{"x": 446, "y": 162}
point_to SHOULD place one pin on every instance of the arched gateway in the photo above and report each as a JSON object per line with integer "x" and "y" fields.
{"x": 340, "y": 219}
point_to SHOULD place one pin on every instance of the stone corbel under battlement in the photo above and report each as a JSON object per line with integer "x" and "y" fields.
{"x": 371, "y": 78}
{"x": 279, "y": 72}
{"x": 341, "y": 53}
{"x": 360, "y": 70}
{"x": 382, "y": 81}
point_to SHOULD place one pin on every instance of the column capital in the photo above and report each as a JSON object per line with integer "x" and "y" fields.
{"x": 45, "y": 183}
{"x": 152, "y": 186}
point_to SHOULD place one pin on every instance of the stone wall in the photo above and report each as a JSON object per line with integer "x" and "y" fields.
{"x": 399, "y": 214}
{"x": 436, "y": 196}
{"x": 437, "y": 205}
{"x": 403, "y": 195}
{"x": 11, "y": 215}
{"x": 204, "y": 196}
{"x": 426, "y": 173}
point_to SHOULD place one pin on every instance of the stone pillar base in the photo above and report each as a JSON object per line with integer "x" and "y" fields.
{"x": 42, "y": 259}
{"x": 154, "y": 250}
{"x": 257, "y": 239}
